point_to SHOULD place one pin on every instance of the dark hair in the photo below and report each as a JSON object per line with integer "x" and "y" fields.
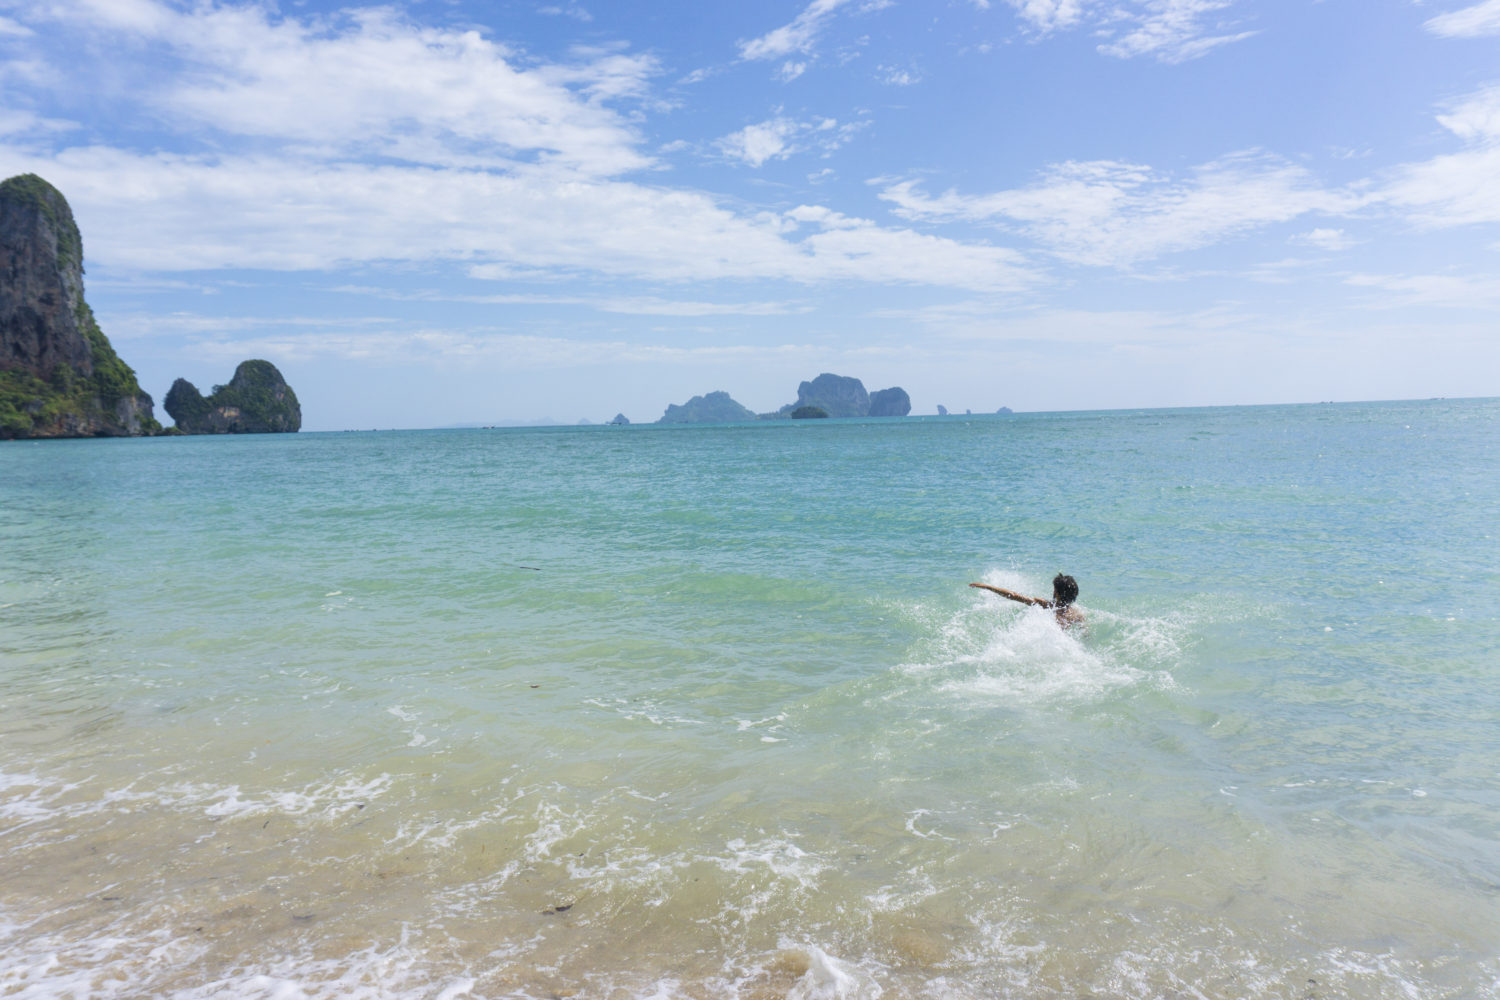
{"x": 1064, "y": 589}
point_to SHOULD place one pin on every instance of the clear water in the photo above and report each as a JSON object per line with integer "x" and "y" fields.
{"x": 710, "y": 712}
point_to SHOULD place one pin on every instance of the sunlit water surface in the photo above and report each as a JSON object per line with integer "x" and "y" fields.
{"x": 710, "y": 712}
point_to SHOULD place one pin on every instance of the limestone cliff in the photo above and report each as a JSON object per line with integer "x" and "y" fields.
{"x": 59, "y": 376}
{"x": 893, "y": 402}
{"x": 839, "y": 395}
{"x": 845, "y": 396}
{"x": 256, "y": 401}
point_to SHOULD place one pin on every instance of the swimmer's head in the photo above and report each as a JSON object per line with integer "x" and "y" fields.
{"x": 1064, "y": 590}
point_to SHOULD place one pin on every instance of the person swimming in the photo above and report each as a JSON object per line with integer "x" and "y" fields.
{"x": 1064, "y": 593}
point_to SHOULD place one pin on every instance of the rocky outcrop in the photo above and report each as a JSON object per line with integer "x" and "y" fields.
{"x": 256, "y": 401}
{"x": 844, "y": 396}
{"x": 840, "y": 395}
{"x": 892, "y": 402}
{"x": 942, "y": 410}
{"x": 712, "y": 408}
{"x": 809, "y": 412}
{"x": 620, "y": 420}
{"x": 59, "y": 375}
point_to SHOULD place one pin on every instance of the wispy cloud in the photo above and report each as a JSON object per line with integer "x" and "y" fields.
{"x": 755, "y": 144}
{"x": 1174, "y": 31}
{"x": 333, "y": 84}
{"x": 1049, "y": 15}
{"x": 1441, "y": 290}
{"x": 1330, "y": 240}
{"x": 203, "y": 327}
{"x": 163, "y": 212}
{"x": 1170, "y": 31}
{"x": 898, "y": 77}
{"x": 20, "y": 123}
{"x": 222, "y": 340}
{"x": 301, "y": 148}
{"x": 572, "y": 10}
{"x": 781, "y": 137}
{"x": 795, "y": 37}
{"x": 1458, "y": 188}
{"x": 1105, "y": 213}
{"x": 1469, "y": 22}
{"x": 628, "y": 305}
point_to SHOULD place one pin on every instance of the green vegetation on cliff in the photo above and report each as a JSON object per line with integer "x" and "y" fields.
{"x": 257, "y": 388}
{"x": 59, "y": 375}
{"x": 31, "y": 191}
{"x": 32, "y": 406}
{"x": 256, "y": 401}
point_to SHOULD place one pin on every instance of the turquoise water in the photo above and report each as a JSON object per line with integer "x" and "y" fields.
{"x": 711, "y": 712}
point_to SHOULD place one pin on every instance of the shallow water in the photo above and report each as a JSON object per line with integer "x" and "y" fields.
{"x": 710, "y": 712}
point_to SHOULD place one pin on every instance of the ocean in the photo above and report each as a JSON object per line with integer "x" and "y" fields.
{"x": 711, "y": 712}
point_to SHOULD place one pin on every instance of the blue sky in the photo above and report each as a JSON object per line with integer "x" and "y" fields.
{"x": 443, "y": 212}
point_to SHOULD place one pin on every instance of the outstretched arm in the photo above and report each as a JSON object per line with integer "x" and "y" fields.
{"x": 1012, "y": 595}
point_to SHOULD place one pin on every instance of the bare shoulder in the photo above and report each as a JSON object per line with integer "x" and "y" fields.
{"x": 1070, "y": 617}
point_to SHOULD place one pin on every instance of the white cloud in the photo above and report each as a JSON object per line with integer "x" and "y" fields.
{"x": 898, "y": 77}
{"x": 796, "y": 37}
{"x": 780, "y": 137}
{"x": 1458, "y": 188}
{"x": 144, "y": 326}
{"x": 847, "y": 247}
{"x": 1331, "y": 240}
{"x": 1440, "y": 290}
{"x": 166, "y": 213}
{"x": 1454, "y": 190}
{"x": 457, "y": 97}
{"x": 11, "y": 29}
{"x": 1283, "y": 272}
{"x": 755, "y": 144}
{"x": 1049, "y": 15}
{"x": 1476, "y": 118}
{"x": 627, "y": 305}
{"x": 574, "y": 11}
{"x": 13, "y": 123}
{"x": 1105, "y": 213}
{"x": 1469, "y": 22}
{"x": 382, "y": 341}
{"x": 1171, "y": 31}
{"x": 790, "y": 70}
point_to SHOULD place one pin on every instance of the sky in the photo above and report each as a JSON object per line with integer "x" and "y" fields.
{"x": 442, "y": 212}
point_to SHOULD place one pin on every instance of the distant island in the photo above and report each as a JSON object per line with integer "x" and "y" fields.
{"x": 828, "y": 395}
{"x": 942, "y": 411}
{"x": 892, "y": 402}
{"x": 256, "y": 401}
{"x": 711, "y": 408}
{"x": 843, "y": 396}
{"x": 59, "y": 375}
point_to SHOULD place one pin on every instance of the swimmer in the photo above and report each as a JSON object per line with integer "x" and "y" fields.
{"x": 1064, "y": 593}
